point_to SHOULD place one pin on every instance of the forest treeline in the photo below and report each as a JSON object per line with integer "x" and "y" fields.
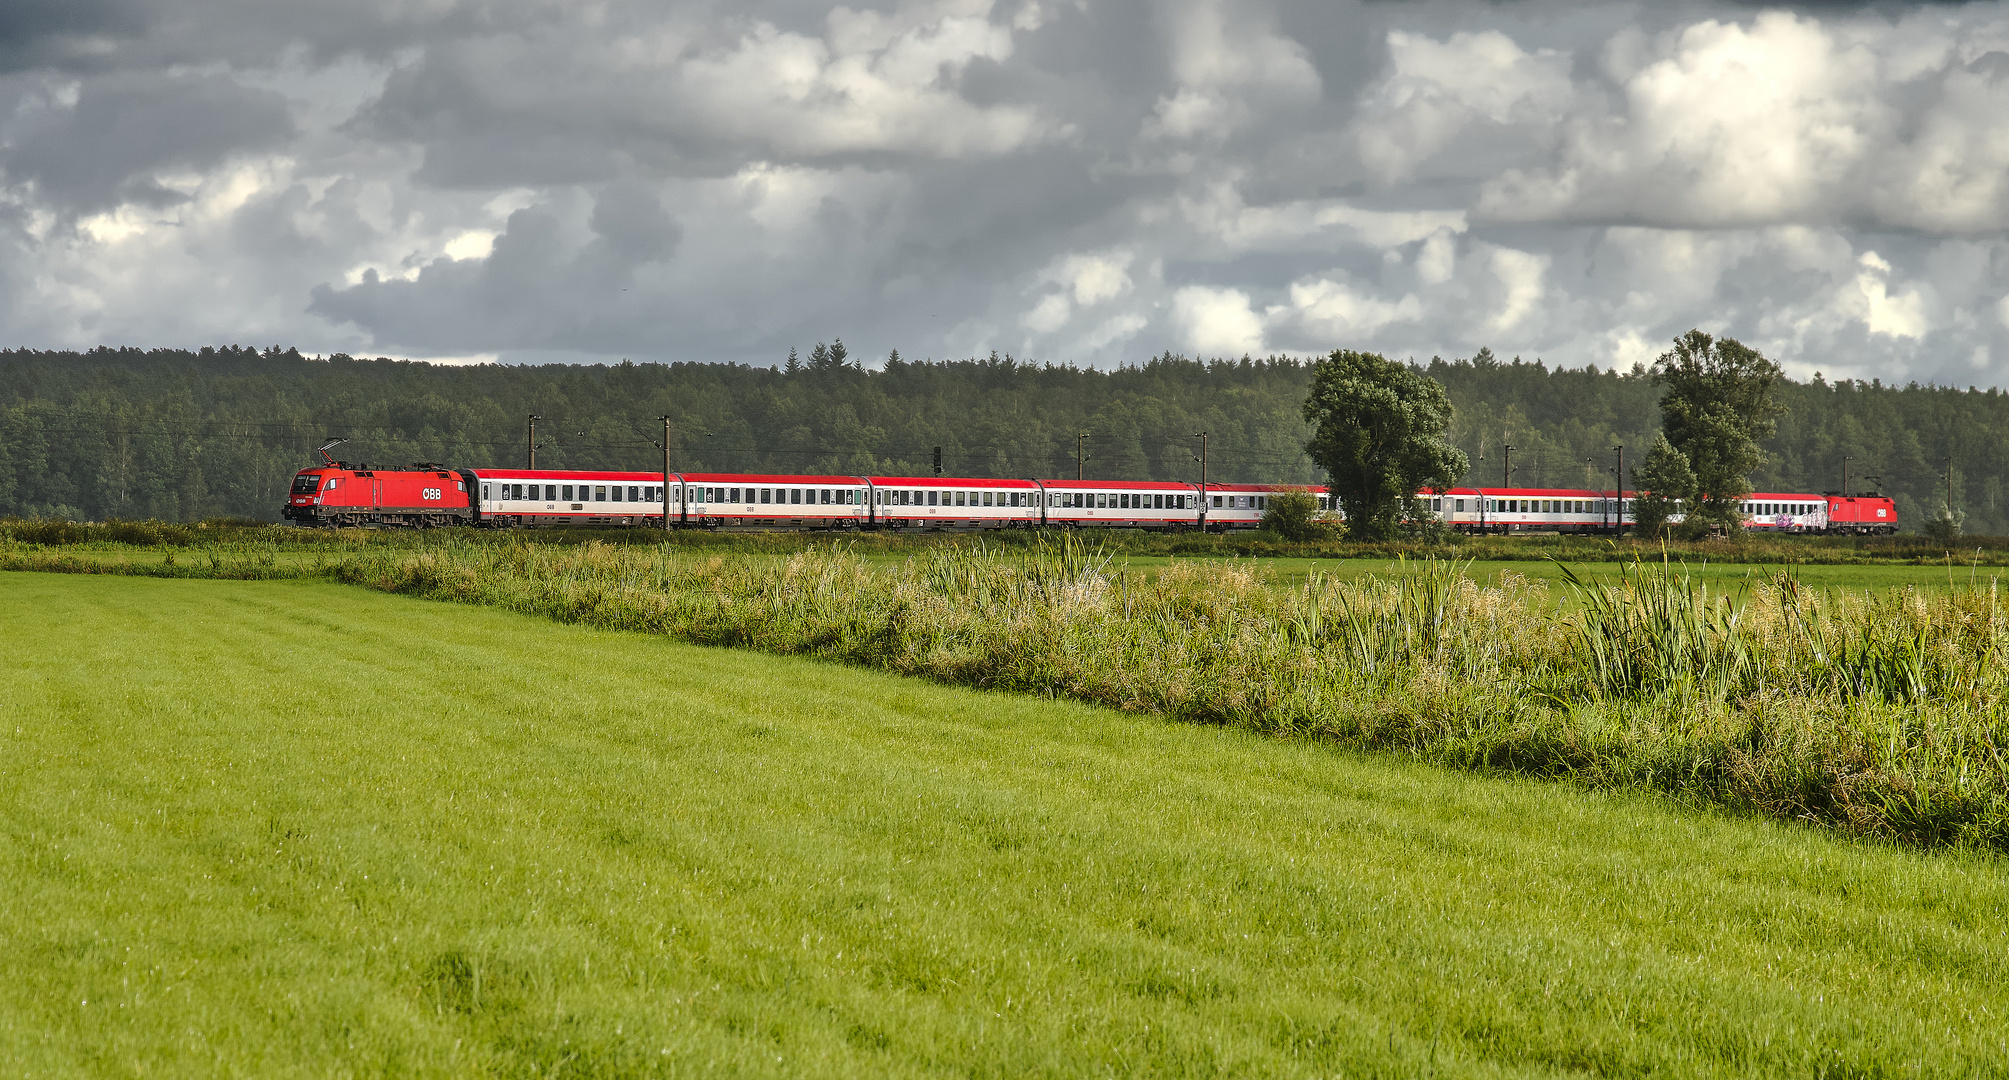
{"x": 181, "y": 435}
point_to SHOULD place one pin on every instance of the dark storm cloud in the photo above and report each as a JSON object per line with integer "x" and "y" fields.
{"x": 1067, "y": 181}
{"x": 125, "y": 127}
{"x": 36, "y": 33}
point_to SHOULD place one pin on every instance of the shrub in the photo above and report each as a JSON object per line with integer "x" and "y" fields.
{"x": 1294, "y": 515}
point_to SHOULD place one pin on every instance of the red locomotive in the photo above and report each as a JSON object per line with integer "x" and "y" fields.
{"x": 340, "y": 494}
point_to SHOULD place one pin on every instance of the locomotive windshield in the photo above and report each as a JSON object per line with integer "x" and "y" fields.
{"x": 305, "y": 483}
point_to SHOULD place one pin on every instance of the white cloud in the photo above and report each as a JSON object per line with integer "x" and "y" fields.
{"x": 1117, "y": 328}
{"x": 1438, "y": 259}
{"x": 1436, "y": 90}
{"x": 1901, "y": 315}
{"x": 1520, "y": 275}
{"x": 1217, "y": 322}
{"x": 876, "y": 83}
{"x": 1328, "y": 309}
{"x": 1230, "y": 64}
{"x": 1093, "y": 278}
{"x": 1218, "y": 213}
{"x": 1050, "y": 314}
{"x": 472, "y": 244}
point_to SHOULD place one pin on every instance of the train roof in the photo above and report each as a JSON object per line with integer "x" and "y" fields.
{"x": 1549, "y": 493}
{"x": 1120, "y": 485}
{"x": 563, "y": 474}
{"x": 948, "y": 481}
{"x": 767, "y": 478}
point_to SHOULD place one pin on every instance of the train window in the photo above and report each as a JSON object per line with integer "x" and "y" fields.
{"x": 567, "y": 489}
{"x": 766, "y": 495}
{"x": 1217, "y": 500}
{"x": 487, "y": 492}
{"x": 617, "y": 493}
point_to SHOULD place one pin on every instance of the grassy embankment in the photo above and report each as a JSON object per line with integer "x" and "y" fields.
{"x": 292, "y": 828}
{"x": 1880, "y": 715}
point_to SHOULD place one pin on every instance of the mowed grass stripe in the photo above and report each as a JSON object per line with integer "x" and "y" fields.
{"x": 296, "y": 828}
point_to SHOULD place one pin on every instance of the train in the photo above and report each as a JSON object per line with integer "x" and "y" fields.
{"x": 425, "y": 495}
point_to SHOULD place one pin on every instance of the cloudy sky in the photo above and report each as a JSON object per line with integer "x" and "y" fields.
{"x": 1066, "y": 180}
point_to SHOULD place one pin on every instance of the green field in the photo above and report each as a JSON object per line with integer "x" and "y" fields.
{"x": 297, "y": 828}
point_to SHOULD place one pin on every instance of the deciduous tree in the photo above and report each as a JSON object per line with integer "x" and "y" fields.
{"x": 1379, "y": 433}
{"x": 1715, "y": 407}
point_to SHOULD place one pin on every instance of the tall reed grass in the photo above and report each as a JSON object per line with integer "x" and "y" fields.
{"x": 1876, "y": 715}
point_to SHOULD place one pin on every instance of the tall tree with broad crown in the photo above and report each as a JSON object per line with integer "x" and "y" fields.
{"x": 1716, "y": 405}
{"x": 1380, "y": 436}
